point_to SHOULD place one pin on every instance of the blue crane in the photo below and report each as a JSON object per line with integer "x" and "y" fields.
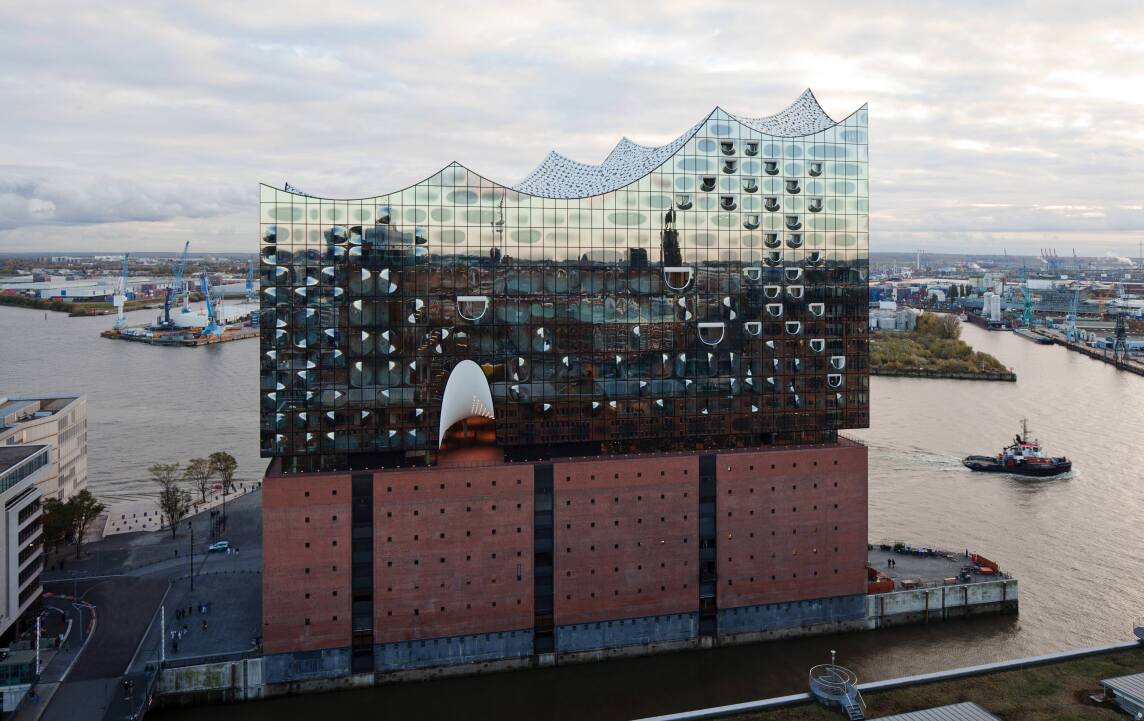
{"x": 250, "y": 280}
{"x": 119, "y": 299}
{"x": 212, "y": 326}
{"x": 1071, "y": 333}
{"x": 1027, "y": 316}
{"x": 174, "y": 288}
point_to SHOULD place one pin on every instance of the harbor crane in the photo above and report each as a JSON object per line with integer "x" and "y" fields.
{"x": 212, "y": 327}
{"x": 1050, "y": 258}
{"x": 1071, "y": 333}
{"x": 1027, "y": 317}
{"x": 119, "y": 298}
{"x": 174, "y": 288}
{"x": 250, "y": 280}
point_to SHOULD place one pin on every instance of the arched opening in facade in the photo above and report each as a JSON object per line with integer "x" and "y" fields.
{"x": 467, "y": 428}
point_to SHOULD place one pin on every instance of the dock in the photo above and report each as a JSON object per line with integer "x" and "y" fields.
{"x": 926, "y": 584}
{"x": 1047, "y": 337}
{"x": 185, "y": 338}
{"x": 1029, "y": 334}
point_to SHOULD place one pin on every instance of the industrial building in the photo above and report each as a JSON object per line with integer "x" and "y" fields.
{"x": 887, "y": 315}
{"x": 595, "y": 413}
{"x": 22, "y": 469}
{"x": 59, "y": 422}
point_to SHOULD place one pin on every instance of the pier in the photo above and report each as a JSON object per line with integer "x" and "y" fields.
{"x": 185, "y": 338}
{"x": 1046, "y": 336}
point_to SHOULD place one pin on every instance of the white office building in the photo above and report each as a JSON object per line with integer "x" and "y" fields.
{"x": 59, "y": 422}
{"x": 21, "y": 548}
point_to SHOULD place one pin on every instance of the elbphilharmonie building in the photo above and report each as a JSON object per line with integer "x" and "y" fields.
{"x": 657, "y": 352}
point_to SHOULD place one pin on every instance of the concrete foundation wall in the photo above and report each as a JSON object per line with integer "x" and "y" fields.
{"x": 926, "y": 604}
{"x": 222, "y": 682}
{"x": 453, "y": 650}
{"x": 306, "y": 665}
{"x": 647, "y": 630}
{"x": 796, "y": 614}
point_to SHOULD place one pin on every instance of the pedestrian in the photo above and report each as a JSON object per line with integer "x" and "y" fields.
{"x": 204, "y": 624}
{"x": 184, "y": 628}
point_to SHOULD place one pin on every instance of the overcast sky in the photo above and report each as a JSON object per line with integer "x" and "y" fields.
{"x": 134, "y": 126}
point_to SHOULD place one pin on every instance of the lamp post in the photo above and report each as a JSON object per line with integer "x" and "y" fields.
{"x": 191, "y": 555}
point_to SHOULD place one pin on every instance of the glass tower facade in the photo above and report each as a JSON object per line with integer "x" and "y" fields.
{"x": 708, "y": 293}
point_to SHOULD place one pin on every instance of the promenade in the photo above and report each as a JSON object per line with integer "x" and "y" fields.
{"x": 119, "y": 587}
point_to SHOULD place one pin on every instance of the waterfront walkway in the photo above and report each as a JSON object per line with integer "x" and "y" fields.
{"x": 123, "y": 581}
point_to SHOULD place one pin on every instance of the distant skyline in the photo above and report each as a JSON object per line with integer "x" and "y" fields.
{"x": 133, "y": 127}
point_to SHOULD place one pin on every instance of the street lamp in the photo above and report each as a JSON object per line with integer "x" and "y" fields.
{"x": 191, "y": 555}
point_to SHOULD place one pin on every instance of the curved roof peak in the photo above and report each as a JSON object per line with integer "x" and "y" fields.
{"x": 802, "y": 117}
{"x": 558, "y": 176}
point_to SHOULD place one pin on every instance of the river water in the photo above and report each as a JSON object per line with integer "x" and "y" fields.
{"x": 146, "y": 404}
{"x": 1074, "y": 542}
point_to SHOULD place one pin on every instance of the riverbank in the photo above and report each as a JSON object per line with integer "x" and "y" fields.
{"x": 1052, "y": 336}
{"x": 933, "y": 350}
{"x": 1058, "y": 690}
{"x": 1008, "y": 376}
{"x": 72, "y": 308}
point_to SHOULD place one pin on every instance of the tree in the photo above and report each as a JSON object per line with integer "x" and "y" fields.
{"x": 199, "y": 472}
{"x": 224, "y": 465}
{"x": 56, "y": 521}
{"x": 84, "y": 509}
{"x": 174, "y": 501}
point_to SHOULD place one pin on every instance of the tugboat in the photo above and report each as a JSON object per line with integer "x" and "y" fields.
{"x": 1023, "y": 458}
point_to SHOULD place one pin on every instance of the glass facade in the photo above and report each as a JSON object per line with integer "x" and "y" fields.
{"x": 714, "y": 299}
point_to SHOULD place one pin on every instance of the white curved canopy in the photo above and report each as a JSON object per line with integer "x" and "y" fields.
{"x": 467, "y": 394}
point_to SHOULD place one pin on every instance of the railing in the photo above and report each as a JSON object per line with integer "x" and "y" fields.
{"x": 252, "y": 652}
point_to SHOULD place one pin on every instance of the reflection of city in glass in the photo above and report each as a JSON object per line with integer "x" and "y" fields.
{"x": 710, "y": 291}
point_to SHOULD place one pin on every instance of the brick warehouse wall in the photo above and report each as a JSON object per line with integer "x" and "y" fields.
{"x": 791, "y": 525}
{"x": 453, "y": 551}
{"x": 625, "y": 537}
{"x": 306, "y": 562}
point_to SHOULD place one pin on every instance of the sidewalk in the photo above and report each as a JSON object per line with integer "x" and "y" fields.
{"x": 233, "y": 621}
{"x": 156, "y": 551}
{"x": 136, "y": 516}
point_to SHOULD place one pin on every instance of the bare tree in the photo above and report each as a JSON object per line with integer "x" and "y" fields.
{"x": 84, "y": 509}
{"x": 224, "y": 465}
{"x": 174, "y": 501}
{"x": 199, "y": 472}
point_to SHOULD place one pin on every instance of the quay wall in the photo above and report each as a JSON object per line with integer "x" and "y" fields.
{"x": 329, "y": 670}
{"x": 936, "y": 603}
{"x": 211, "y": 683}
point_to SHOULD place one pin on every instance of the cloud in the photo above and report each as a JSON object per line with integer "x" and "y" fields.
{"x": 992, "y": 121}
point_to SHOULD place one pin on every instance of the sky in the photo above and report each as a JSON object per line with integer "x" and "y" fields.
{"x": 132, "y": 126}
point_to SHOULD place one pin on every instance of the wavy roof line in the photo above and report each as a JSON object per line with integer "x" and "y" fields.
{"x": 560, "y": 177}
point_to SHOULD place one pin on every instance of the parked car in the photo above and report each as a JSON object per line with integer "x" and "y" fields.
{"x": 218, "y": 547}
